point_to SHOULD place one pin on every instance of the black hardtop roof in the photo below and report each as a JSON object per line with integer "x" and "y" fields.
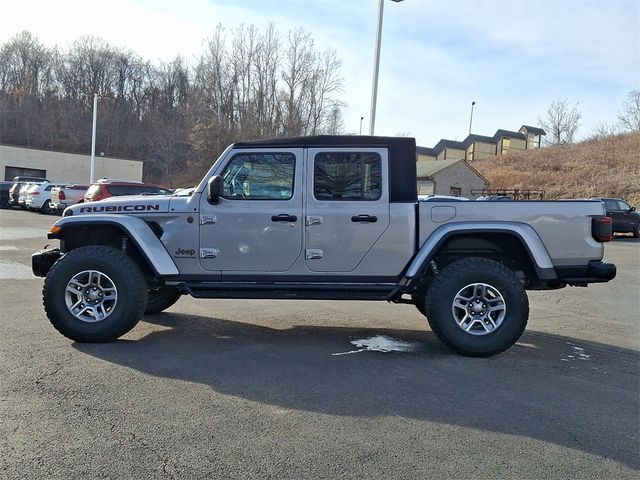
{"x": 402, "y": 156}
{"x": 331, "y": 141}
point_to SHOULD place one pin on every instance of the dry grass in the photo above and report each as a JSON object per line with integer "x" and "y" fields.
{"x": 609, "y": 167}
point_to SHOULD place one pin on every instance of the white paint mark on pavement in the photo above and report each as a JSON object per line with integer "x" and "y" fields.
{"x": 380, "y": 343}
{"x": 8, "y": 247}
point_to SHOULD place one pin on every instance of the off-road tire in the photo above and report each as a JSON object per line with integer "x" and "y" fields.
{"x": 420, "y": 302}
{"x": 456, "y": 276}
{"x": 127, "y": 278}
{"x": 160, "y": 299}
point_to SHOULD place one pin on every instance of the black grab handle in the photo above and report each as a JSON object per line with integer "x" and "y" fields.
{"x": 364, "y": 218}
{"x": 283, "y": 217}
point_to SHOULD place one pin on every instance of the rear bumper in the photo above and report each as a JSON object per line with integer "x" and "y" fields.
{"x": 595, "y": 272}
{"x": 42, "y": 261}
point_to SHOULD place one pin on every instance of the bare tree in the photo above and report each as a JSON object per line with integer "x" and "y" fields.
{"x": 629, "y": 117}
{"x": 603, "y": 130}
{"x": 561, "y": 122}
{"x": 247, "y": 84}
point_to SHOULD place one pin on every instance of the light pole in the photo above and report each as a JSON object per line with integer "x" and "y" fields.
{"x": 361, "y": 119}
{"x": 376, "y": 67}
{"x": 93, "y": 138}
{"x": 471, "y": 117}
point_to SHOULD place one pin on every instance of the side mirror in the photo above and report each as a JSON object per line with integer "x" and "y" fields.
{"x": 214, "y": 189}
{"x": 632, "y": 209}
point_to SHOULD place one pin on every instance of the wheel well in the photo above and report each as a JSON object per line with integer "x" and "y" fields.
{"x": 73, "y": 237}
{"x": 504, "y": 248}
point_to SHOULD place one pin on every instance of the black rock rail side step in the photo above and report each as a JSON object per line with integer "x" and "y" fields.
{"x": 295, "y": 291}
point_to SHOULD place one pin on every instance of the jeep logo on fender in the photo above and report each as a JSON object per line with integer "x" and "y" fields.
{"x": 119, "y": 208}
{"x": 185, "y": 253}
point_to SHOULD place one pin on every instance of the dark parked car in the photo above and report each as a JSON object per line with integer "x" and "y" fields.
{"x": 624, "y": 217}
{"x": 4, "y": 194}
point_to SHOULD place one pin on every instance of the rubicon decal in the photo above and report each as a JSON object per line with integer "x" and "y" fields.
{"x": 120, "y": 208}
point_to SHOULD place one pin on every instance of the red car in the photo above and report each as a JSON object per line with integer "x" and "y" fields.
{"x": 105, "y": 188}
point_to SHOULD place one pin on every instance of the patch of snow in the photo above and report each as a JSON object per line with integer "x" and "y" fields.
{"x": 380, "y": 343}
{"x": 22, "y": 232}
{"x": 15, "y": 271}
{"x": 578, "y": 354}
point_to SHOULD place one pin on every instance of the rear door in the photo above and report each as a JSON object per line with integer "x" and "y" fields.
{"x": 346, "y": 207}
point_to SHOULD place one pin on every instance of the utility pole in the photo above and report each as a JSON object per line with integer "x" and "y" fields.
{"x": 93, "y": 139}
{"x": 376, "y": 67}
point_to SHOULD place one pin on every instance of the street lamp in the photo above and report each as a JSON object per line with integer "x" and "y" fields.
{"x": 376, "y": 66}
{"x": 361, "y": 119}
{"x": 93, "y": 138}
{"x": 471, "y": 117}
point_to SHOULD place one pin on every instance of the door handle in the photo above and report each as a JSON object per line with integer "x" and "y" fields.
{"x": 283, "y": 217}
{"x": 364, "y": 218}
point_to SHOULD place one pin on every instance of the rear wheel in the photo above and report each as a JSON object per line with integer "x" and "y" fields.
{"x": 94, "y": 294}
{"x": 477, "y": 307}
{"x": 46, "y": 208}
{"x": 159, "y": 299}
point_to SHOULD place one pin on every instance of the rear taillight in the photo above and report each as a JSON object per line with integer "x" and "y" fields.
{"x": 61, "y": 195}
{"x": 602, "y": 228}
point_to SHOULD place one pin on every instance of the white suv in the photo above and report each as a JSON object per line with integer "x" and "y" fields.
{"x": 38, "y": 197}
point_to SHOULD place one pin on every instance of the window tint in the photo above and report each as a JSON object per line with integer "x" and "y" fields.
{"x": 611, "y": 205}
{"x": 624, "y": 206}
{"x": 260, "y": 176}
{"x": 118, "y": 190}
{"x": 347, "y": 176}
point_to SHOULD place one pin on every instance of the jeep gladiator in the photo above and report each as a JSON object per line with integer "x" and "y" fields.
{"x": 324, "y": 217}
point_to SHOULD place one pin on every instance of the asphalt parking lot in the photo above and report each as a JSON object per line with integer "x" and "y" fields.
{"x": 253, "y": 389}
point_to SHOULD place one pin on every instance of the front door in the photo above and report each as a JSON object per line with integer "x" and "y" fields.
{"x": 257, "y": 224}
{"x": 347, "y": 206}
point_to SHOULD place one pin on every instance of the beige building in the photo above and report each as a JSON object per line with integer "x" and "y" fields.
{"x": 65, "y": 167}
{"x": 449, "y": 177}
{"x": 476, "y": 147}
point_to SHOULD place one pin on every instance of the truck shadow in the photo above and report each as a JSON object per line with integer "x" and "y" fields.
{"x": 552, "y": 388}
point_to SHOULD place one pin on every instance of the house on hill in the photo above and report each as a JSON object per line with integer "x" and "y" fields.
{"x": 476, "y": 147}
{"x": 449, "y": 177}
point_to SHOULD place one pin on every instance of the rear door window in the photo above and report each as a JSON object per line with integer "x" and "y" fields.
{"x": 347, "y": 176}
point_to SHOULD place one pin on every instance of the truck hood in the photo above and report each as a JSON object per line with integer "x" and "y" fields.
{"x": 130, "y": 204}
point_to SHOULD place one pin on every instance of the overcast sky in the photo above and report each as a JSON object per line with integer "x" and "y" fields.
{"x": 513, "y": 57}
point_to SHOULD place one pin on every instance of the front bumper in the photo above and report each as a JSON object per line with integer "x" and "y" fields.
{"x": 595, "y": 272}
{"x": 42, "y": 261}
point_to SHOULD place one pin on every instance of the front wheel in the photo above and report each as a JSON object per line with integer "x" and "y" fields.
{"x": 94, "y": 294}
{"x": 477, "y": 307}
{"x": 636, "y": 232}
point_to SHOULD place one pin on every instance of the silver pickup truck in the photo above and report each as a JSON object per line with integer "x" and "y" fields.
{"x": 326, "y": 217}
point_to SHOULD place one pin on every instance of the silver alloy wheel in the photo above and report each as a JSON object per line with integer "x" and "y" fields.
{"x": 479, "y": 309}
{"x": 91, "y": 296}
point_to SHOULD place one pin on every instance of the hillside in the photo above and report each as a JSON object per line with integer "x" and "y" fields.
{"x": 608, "y": 167}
